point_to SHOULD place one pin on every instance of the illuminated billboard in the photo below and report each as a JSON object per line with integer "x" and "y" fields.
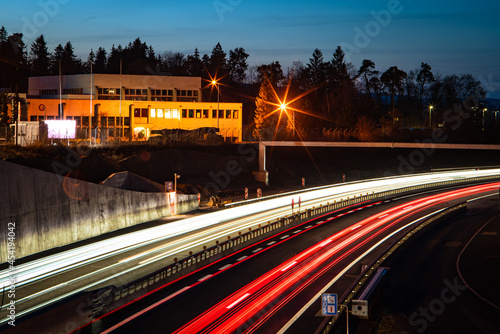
{"x": 61, "y": 129}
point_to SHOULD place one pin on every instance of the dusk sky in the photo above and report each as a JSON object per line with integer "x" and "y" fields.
{"x": 452, "y": 36}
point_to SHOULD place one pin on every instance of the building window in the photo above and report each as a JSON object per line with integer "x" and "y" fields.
{"x": 184, "y": 113}
{"x": 235, "y": 114}
{"x": 198, "y": 113}
{"x": 191, "y": 113}
{"x": 43, "y": 92}
{"x": 221, "y": 113}
{"x": 141, "y": 112}
{"x": 205, "y": 113}
{"x": 175, "y": 113}
{"x": 153, "y": 113}
{"x": 160, "y": 113}
{"x": 228, "y": 114}
{"x": 33, "y": 118}
{"x": 168, "y": 114}
{"x": 76, "y": 91}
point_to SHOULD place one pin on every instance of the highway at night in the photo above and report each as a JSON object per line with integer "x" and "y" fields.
{"x": 122, "y": 256}
{"x": 270, "y": 299}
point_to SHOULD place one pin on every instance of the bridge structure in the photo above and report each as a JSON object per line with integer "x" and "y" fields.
{"x": 262, "y": 175}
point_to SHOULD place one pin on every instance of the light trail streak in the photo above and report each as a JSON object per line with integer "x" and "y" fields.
{"x": 268, "y": 287}
{"x": 51, "y": 265}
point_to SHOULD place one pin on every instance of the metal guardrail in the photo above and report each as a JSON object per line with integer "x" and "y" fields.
{"x": 296, "y": 192}
{"x": 365, "y": 276}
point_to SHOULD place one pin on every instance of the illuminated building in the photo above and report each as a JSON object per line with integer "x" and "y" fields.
{"x": 145, "y": 103}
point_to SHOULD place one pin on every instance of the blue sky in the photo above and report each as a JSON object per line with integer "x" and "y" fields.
{"x": 452, "y": 36}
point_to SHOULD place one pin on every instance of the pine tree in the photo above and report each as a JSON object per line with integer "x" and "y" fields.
{"x": 193, "y": 64}
{"x": 89, "y": 64}
{"x": 40, "y": 56}
{"x": 217, "y": 63}
{"x": 55, "y": 59}
{"x": 263, "y": 110}
{"x": 70, "y": 63}
{"x": 100, "y": 62}
{"x": 238, "y": 65}
{"x": 4, "y": 109}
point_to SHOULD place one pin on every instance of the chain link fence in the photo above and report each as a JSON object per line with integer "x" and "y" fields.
{"x": 179, "y": 137}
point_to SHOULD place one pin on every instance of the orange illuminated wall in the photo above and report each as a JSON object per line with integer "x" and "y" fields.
{"x": 151, "y": 115}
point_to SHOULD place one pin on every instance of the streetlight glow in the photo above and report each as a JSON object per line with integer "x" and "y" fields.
{"x": 430, "y": 115}
{"x": 216, "y": 84}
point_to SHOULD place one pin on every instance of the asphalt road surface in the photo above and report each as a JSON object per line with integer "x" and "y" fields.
{"x": 447, "y": 280}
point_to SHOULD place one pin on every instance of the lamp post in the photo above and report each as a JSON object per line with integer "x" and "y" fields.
{"x": 430, "y": 116}
{"x": 283, "y": 108}
{"x": 485, "y": 109}
{"x": 176, "y": 176}
{"x": 216, "y": 84}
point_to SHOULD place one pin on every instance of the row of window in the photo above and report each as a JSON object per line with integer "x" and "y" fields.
{"x": 44, "y": 92}
{"x": 84, "y": 120}
{"x": 78, "y": 91}
{"x": 186, "y": 113}
{"x": 144, "y": 92}
{"x": 198, "y": 113}
{"x": 108, "y": 91}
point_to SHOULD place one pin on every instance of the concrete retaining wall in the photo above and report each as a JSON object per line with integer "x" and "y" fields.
{"x": 49, "y": 210}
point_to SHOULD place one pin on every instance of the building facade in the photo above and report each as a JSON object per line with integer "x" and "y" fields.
{"x": 130, "y": 106}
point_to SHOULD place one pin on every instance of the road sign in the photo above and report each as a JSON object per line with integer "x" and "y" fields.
{"x": 169, "y": 186}
{"x": 329, "y": 304}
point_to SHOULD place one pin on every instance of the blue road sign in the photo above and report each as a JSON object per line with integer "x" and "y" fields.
{"x": 169, "y": 186}
{"x": 329, "y": 304}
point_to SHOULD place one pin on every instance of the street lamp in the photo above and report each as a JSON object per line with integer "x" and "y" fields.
{"x": 430, "y": 116}
{"x": 283, "y": 108}
{"x": 485, "y": 109}
{"x": 176, "y": 176}
{"x": 216, "y": 84}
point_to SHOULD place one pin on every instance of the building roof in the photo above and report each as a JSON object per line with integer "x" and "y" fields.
{"x": 130, "y": 181}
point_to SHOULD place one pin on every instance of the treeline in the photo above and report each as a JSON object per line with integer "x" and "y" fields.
{"x": 335, "y": 93}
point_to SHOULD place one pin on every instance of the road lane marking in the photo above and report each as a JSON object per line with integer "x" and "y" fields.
{"x": 225, "y": 267}
{"x": 238, "y": 300}
{"x": 205, "y": 278}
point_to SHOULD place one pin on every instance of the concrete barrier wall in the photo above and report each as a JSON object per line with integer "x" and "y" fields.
{"x": 50, "y": 211}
